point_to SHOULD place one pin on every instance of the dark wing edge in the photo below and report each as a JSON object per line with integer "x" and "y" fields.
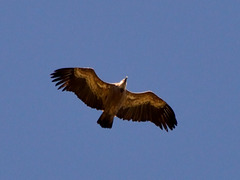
{"x": 147, "y": 106}
{"x": 84, "y": 83}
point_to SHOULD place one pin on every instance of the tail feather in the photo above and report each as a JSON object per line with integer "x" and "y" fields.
{"x": 105, "y": 120}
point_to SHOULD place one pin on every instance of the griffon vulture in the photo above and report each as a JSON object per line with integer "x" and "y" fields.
{"x": 114, "y": 99}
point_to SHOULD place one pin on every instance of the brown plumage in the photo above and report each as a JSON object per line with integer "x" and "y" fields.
{"x": 114, "y": 99}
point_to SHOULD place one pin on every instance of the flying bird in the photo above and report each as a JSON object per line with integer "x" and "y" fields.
{"x": 114, "y": 99}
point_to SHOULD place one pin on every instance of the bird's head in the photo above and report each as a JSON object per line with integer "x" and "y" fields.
{"x": 123, "y": 83}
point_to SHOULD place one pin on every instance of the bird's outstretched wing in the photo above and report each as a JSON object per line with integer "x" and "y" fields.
{"x": 84, "y": 83}
{"x": 147, "y": 106}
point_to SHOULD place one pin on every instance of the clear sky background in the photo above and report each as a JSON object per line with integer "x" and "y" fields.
{"x": 187, "y": 52}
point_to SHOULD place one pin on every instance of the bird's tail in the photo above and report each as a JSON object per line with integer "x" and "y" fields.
{"x": 105, "y": 120}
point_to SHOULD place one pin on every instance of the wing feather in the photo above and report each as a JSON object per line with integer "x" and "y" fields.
{"x": 84, "y": 83}
{"x": 147, "y": 106}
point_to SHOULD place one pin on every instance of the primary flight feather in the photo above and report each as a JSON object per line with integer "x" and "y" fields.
{"x": 114, "y": 99}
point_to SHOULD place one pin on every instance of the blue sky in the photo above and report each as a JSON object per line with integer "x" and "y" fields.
{"x": 187, "y": 52}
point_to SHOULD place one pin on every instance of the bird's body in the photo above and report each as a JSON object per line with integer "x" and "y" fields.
{"x": 114, "y": 99}
{"x": 117, "y": 94}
